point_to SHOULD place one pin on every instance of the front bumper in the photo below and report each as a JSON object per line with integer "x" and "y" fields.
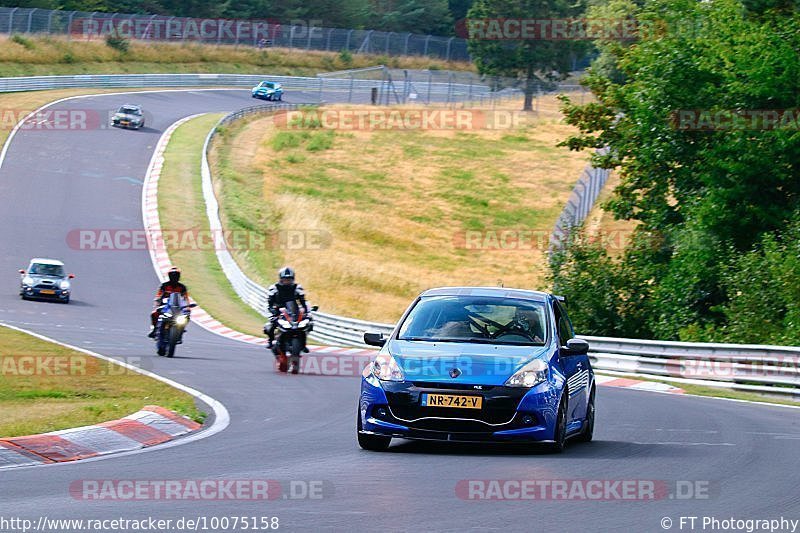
{"x": 508, "y": 413}
{"x": 126, "y": 124}
{"x": 37, "y": 292}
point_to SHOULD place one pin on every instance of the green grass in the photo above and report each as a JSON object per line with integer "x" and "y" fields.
{"x": 180, "y": 182}
{"x": 76, "y": 390}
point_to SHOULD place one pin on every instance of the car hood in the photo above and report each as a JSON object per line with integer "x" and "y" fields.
{"x": 265, "y": 90}
{"x": 477, "y": 364}
{"x": 38, "y": 278}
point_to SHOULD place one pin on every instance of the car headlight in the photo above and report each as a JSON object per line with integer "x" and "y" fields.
{"x": 27, "y": 280}
{"x": 530, "y": 375}
{"x": 182, "y": 320}
{"x": 64, "y": 285}
{"x": 282, "y": 322}
{"x": 385, "y": 368}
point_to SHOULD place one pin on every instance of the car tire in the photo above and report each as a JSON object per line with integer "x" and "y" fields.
{"x": 560, "y": 431}
{"x": 372, "y": 443}
{"x": 66, "y": 300}
{"x": 280, "y": 98}
{"x": 588, "y": 432}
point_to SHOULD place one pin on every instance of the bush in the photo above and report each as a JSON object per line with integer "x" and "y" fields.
{"x": 68, "y": 57}
{"x": 23, "y": 41}
{"x": 121, "y": 44}
{"x": 346, "y": 57}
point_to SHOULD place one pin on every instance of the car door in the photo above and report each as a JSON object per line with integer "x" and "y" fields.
{"x": 576, "y": 367}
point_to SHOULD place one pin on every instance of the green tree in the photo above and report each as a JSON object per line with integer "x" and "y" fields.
{"x": 709, "y": 195}
{"x": 537, "y": 62}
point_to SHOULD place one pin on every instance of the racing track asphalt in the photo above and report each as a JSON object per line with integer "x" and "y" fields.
{"x": 302, "y": 427}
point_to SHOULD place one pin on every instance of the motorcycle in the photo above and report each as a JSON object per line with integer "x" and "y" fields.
{"x": 293, "y": 327}
{"x": 173, "y": 316}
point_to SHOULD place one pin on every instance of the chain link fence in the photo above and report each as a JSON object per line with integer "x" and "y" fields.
{"x": 259, "y": 33}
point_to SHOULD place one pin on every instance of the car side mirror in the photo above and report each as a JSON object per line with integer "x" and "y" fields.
{"x": 374, "y": 339}
{"x": 21, "y": 271}
{"x": 575, "y": 347}
{"x": 71, "y": 276}
{"x": 314, "y": 308}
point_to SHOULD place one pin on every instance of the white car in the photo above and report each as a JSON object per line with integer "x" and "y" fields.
{"x": 45, "y": 278}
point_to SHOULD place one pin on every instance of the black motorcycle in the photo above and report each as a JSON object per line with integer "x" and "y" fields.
{"x": 173, "y": 317}
{"x": 292, "y": 328}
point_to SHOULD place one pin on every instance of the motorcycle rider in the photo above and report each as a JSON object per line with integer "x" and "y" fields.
{"x": 278, "y": 294}
{"x": 172, "y": 285}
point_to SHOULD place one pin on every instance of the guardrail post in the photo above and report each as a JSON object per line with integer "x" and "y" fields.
{"x": 30, "y": 19}
{"x": 11, "y": 20}
{"x": 347, "y": 42}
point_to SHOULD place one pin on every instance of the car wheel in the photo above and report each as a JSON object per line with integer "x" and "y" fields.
{"x": 560, "y": 434}
{"x": 66, "y": 300}
{"x": 373, "y": 443}
{"x": 588, "y": 432}
{"x": 280, "y": 97}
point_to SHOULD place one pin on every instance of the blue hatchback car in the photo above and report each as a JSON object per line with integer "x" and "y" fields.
{"x": 268, "y": 90}
{"x": 476, "y": 364}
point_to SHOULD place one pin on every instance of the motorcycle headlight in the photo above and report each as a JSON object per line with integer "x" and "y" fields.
{"x": 64, "y": 285}
{"x": 182, "y": 320}
{"x": 385, "y": 368}
{"x": 284, "y": 323}
{"x": 530, "y": 375}
{"x": 27, "y": 280}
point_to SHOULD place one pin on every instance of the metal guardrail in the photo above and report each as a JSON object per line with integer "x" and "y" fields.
{"x": 351, "y": 89}
{"x": 327, "y": 328}
{"x": 578, "y": 206}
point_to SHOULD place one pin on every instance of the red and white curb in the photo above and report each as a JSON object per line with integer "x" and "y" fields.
{"x": 155, "y": 241}
{"x": 637, "y": 384}
{"x": 151, "y": 426}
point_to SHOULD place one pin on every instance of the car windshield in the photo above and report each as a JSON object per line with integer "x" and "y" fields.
{"x": 266, "y": 84}
{"x": 41, "y": 269}
{"x": 476, "y": 320}
{"x": 126, "y": 110}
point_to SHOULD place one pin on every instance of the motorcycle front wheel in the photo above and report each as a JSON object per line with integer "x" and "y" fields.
{"x": 174, "y": 336}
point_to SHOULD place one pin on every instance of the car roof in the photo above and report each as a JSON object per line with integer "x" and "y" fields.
{"x": 494, "y": 292}
{"x": 45, "y": 261}
{"x": 130, "y": 105}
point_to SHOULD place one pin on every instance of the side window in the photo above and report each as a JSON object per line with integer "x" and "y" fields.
{"x": 565, "y": 331}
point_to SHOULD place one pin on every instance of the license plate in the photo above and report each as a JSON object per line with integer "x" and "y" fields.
{"x": 124, "y": 122}
{"x": 47, "y": 291}
{"x": 452, "y": 400}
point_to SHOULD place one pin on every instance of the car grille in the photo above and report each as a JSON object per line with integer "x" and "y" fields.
{"x": 498, "y": 411}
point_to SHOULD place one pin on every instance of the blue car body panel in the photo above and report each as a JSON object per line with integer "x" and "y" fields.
{"x": 396, "y": 408}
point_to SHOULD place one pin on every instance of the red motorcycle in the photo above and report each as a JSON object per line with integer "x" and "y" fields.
{"x": 292, "y": 328}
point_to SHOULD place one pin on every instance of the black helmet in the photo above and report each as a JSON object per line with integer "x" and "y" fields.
{"x": 286, "y": 272}
{"x": 174, "y": 274}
